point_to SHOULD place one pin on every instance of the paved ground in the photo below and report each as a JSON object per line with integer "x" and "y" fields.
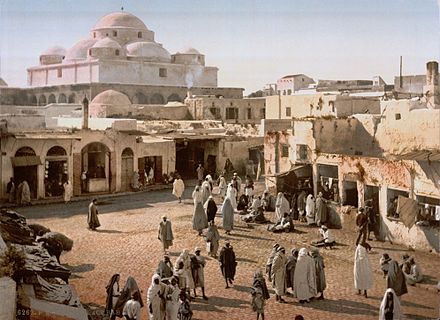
{"x": 127, "y": 244}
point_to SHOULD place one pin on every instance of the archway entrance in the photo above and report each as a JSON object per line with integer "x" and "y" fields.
{"x": 55, "y": 172}
{"x": 25, "y": 165}
{"x": 96, "y": 164}
{"x": 126, "y": 169}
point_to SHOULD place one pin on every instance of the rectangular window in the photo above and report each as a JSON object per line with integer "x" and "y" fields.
{"x": 215, "y": 112}
{"x": 249, "y": 113}
{"x": 328, "y": 182}
{"x": 231, "y": 113}
{"x": 301, "y": 152}
{"x": 288, "y": 112}
{"x": 115, "y": 33}
{"x": 60, "y": 72}
{"x": 162, "y": 72}
{"x": 392, "y": 197}
{"x": 284, "y": 150}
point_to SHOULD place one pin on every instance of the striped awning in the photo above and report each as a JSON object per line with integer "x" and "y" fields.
{"x": 26, "y": 161}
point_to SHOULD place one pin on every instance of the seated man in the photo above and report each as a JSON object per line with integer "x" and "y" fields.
{"x": 268, "y": 201}
{"x": 415, "y": 274}
{"x": 243, "y": 204}
{"x": 256, "y": 213}
{"x": 326, "y": 240}
{"x": 285, "y": 224}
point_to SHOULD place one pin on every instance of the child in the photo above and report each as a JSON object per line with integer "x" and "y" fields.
{"x": 259, "y": 294}
{"x": 185, "y": 312}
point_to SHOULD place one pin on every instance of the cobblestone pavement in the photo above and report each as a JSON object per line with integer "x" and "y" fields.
{"x": 127, "y": 244}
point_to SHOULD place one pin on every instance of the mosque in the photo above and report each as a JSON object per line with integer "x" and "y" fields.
{"x": 119, "y": 54}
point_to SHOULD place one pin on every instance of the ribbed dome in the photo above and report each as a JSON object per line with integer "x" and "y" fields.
{"x": 151, "y": 51}
{"x": 120, "y": 20}
{"x": 79, "y": 50}
{"x": 107, "y": 43}
{"x": 190, "y": 51}
{"x": 111, "y": 97}
{"x": 54, "y": 51}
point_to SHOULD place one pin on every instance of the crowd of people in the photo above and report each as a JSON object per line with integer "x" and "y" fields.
{"x": 300, "y": 273}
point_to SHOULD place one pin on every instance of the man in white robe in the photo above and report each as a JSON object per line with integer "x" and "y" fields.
{"x": 281, "y": 206}
{"x": 178, "y": 188}
{"x": 185, "y": 258}
{"x": 68, "y": 190}
{"x": 278, "y": 274}
{"x": 304, "y": 277}
{"x": 25, "y": 194}
{"x": 172, "y": 303}
{"x": 363, "y": 275}
{"x": 156, "y": 299}
{"x": 199, "y": 273}
{"x": 132, "y": 308}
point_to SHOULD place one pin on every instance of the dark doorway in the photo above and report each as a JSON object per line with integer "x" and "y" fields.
{"x": 28, "y": 173}
{"x": 188, "y": 156}
{"x": 372, "y": 192}
{"x": 351, "y": 193}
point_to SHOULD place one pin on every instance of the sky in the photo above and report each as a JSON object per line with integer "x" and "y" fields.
{"x": 252, "y": 42}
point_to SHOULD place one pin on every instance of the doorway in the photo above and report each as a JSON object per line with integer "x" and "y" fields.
{"x": 126, "y": 169}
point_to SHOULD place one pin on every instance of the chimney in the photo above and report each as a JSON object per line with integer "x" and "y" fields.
{"x": 189, "y": 93}
{"x": 85, "y": 103}
{"x": 432, "y": 73}
{"x": 432, "y": 89}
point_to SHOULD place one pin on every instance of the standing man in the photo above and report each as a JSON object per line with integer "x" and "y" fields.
{"x": 156, "y": 299}
{"x": 301, "y": 203}
{"x": 362, "y": 226}
{"x": 165, "y": 267}
{"x": 211, "y": 209}
{"x": 305, "y": 277}
{"x": 321, "y": 210}
{"x": 199, "y": 220}
{"x": 10, "y": 190}
{"x": 212, "y": 238}
{"x": 198, "y": 271}
{"x": 165, "y": 233}
{"x": 363, "y": 275}
{"x": 278, "y": 273}
{"x": 178, "y": 188}
{"x": 92, "y": 217}
{"x": 228, "y": 263}
{"x": 68, "y": 190}
{"x": 132, "y": 308}
{"x": 372, "y": 219}
{"x": 321, "y": 283}
{"x": 270, "y": 261}
{"x": 200, "y": 173}
{"x": 84, "y": 181}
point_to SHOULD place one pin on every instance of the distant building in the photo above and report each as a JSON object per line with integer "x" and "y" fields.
{"x": 289, "y": 84}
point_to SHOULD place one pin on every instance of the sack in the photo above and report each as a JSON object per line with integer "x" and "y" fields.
{"x": 208, "y": 246}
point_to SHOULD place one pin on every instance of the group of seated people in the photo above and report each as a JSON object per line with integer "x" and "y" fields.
{"x": 413, "y": 273}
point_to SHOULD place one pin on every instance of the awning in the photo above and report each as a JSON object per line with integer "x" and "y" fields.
{"x": 26, "y": 161}
{"x": 301, "y": 171}
{"x": 407, "y": 209}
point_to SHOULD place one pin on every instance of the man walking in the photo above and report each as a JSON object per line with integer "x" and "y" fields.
{"x": 165, "y": 233}
{"x": 362, "y": 226}
{"x": 228, "y": 263}
{"x": 278, "y": 273}
{"x": 92, "y": 217}
{"x": 178, "y": 188}
{"x": 198, "y": 264}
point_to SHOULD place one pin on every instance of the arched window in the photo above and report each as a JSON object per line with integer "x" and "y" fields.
{"x": 94, "y": 34}
{"x": 140, "y": 98}
{"x": 72, "y": 98}
{"x": 174, "y": 97}
{"x": 42, "y": 101}
{"x": 25, "y": 152}
{"x": 56, "y": 151}
{"x": 62, "y": 98}
{"x": 157, "y": 98}
{"x": 34, "y": 101}
{"x": 139, "y": 34}
{"x": 52, "y": 98}
{"x": 117, "y": 52}
{"x": 127, "y": 153}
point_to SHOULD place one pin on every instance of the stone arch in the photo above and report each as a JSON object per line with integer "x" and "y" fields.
{"x": 140, "y": 98}
{"x": 127, "y": 152}
{"x": 174, "y": 97}
{"x": 52, "y": 98}
{"x": 62, "y": 98}
{"x": 42, "y": 100}
{"x": 56, "y": 151}
{"x": 25, "y": 152}
{"x": 72, "y": 98}
{"x": 157, "y": 98}
{"x": 34, "y": 100}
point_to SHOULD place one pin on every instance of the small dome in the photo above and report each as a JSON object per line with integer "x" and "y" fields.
{"x": 190, "y": 51}
{"x": 54, "y": 51}
{"x": 151, "y": 51}
{"x": 120, "y": 20}
{"x": 80, "y": 49}
{"x": 107, "y": 43}
{"x": 111, "y": 97}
